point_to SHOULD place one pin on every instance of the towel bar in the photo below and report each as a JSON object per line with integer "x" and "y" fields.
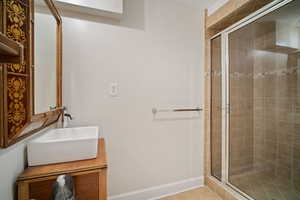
{"x": 155, "y": 110}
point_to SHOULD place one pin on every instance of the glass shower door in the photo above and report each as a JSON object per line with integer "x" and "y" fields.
{"x": 216, "y": 108}
{"x": 264, "y": 98}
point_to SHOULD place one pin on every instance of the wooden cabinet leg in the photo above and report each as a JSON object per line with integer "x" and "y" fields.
{"x": 23, "y": 191}
{"x": 102, "y": 185}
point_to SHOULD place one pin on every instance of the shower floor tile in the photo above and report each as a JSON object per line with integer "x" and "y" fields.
{"x": 262, "y": 187}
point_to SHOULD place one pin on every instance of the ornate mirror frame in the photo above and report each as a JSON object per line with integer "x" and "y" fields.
{"x": 17, "y": 118}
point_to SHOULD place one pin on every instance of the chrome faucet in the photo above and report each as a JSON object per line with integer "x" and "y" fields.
{"x": 68, "y": 116}
{"x": 65, "y": 114}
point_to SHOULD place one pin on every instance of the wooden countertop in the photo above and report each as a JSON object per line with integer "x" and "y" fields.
{"x": 69, "y": 167}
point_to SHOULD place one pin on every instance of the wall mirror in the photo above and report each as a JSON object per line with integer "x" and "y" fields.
{"x": 31, "y": 91}
{"x": 45, "y": 52}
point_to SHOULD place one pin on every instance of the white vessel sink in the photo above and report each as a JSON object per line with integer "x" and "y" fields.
{"x": 63, "y": 145}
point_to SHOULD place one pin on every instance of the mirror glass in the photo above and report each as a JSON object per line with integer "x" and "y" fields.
{"x": 44, "y": 58}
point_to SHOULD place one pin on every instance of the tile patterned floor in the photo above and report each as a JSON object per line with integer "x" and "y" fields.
{"x": 203, "y": 193}
{"x": 266, "y": 188}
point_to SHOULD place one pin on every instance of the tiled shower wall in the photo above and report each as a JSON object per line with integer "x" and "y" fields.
{"x": 241, "y": 101}
{"x": 276, "y": 116}
{"x": 265, "y": 109}
{"x": 264, "y": 95}
{"x": 296, "y": 130}
{"x": 264, "y": 121}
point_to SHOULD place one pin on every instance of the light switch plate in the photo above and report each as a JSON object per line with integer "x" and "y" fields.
{"x": 114, "y": 90}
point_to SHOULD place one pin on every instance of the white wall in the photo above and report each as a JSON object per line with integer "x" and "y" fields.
{"x": 155, "y": 54}
{"x": 12, "y": 164}
{"x": 215, "y": 6}
{"x": 12, "y": 161}
{"x": 105, "y": 5}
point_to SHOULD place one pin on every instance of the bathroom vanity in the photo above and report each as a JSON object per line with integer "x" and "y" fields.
{"x": 89, "y": 177}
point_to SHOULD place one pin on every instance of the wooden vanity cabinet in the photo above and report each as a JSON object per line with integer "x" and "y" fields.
{"x": 35, "y": 183}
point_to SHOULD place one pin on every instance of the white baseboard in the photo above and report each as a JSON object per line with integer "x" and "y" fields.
{"x": 161, "y": 191}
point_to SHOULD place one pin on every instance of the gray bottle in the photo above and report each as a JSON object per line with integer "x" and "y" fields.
{"x": 63, "y": 188}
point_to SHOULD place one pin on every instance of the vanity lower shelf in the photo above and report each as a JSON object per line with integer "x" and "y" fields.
{"x": 89, "y": 178}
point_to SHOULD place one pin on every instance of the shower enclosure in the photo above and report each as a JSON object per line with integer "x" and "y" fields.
{"x": 255, "y": 104}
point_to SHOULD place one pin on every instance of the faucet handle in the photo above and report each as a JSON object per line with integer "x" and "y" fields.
{"x": 53, "y": 107}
